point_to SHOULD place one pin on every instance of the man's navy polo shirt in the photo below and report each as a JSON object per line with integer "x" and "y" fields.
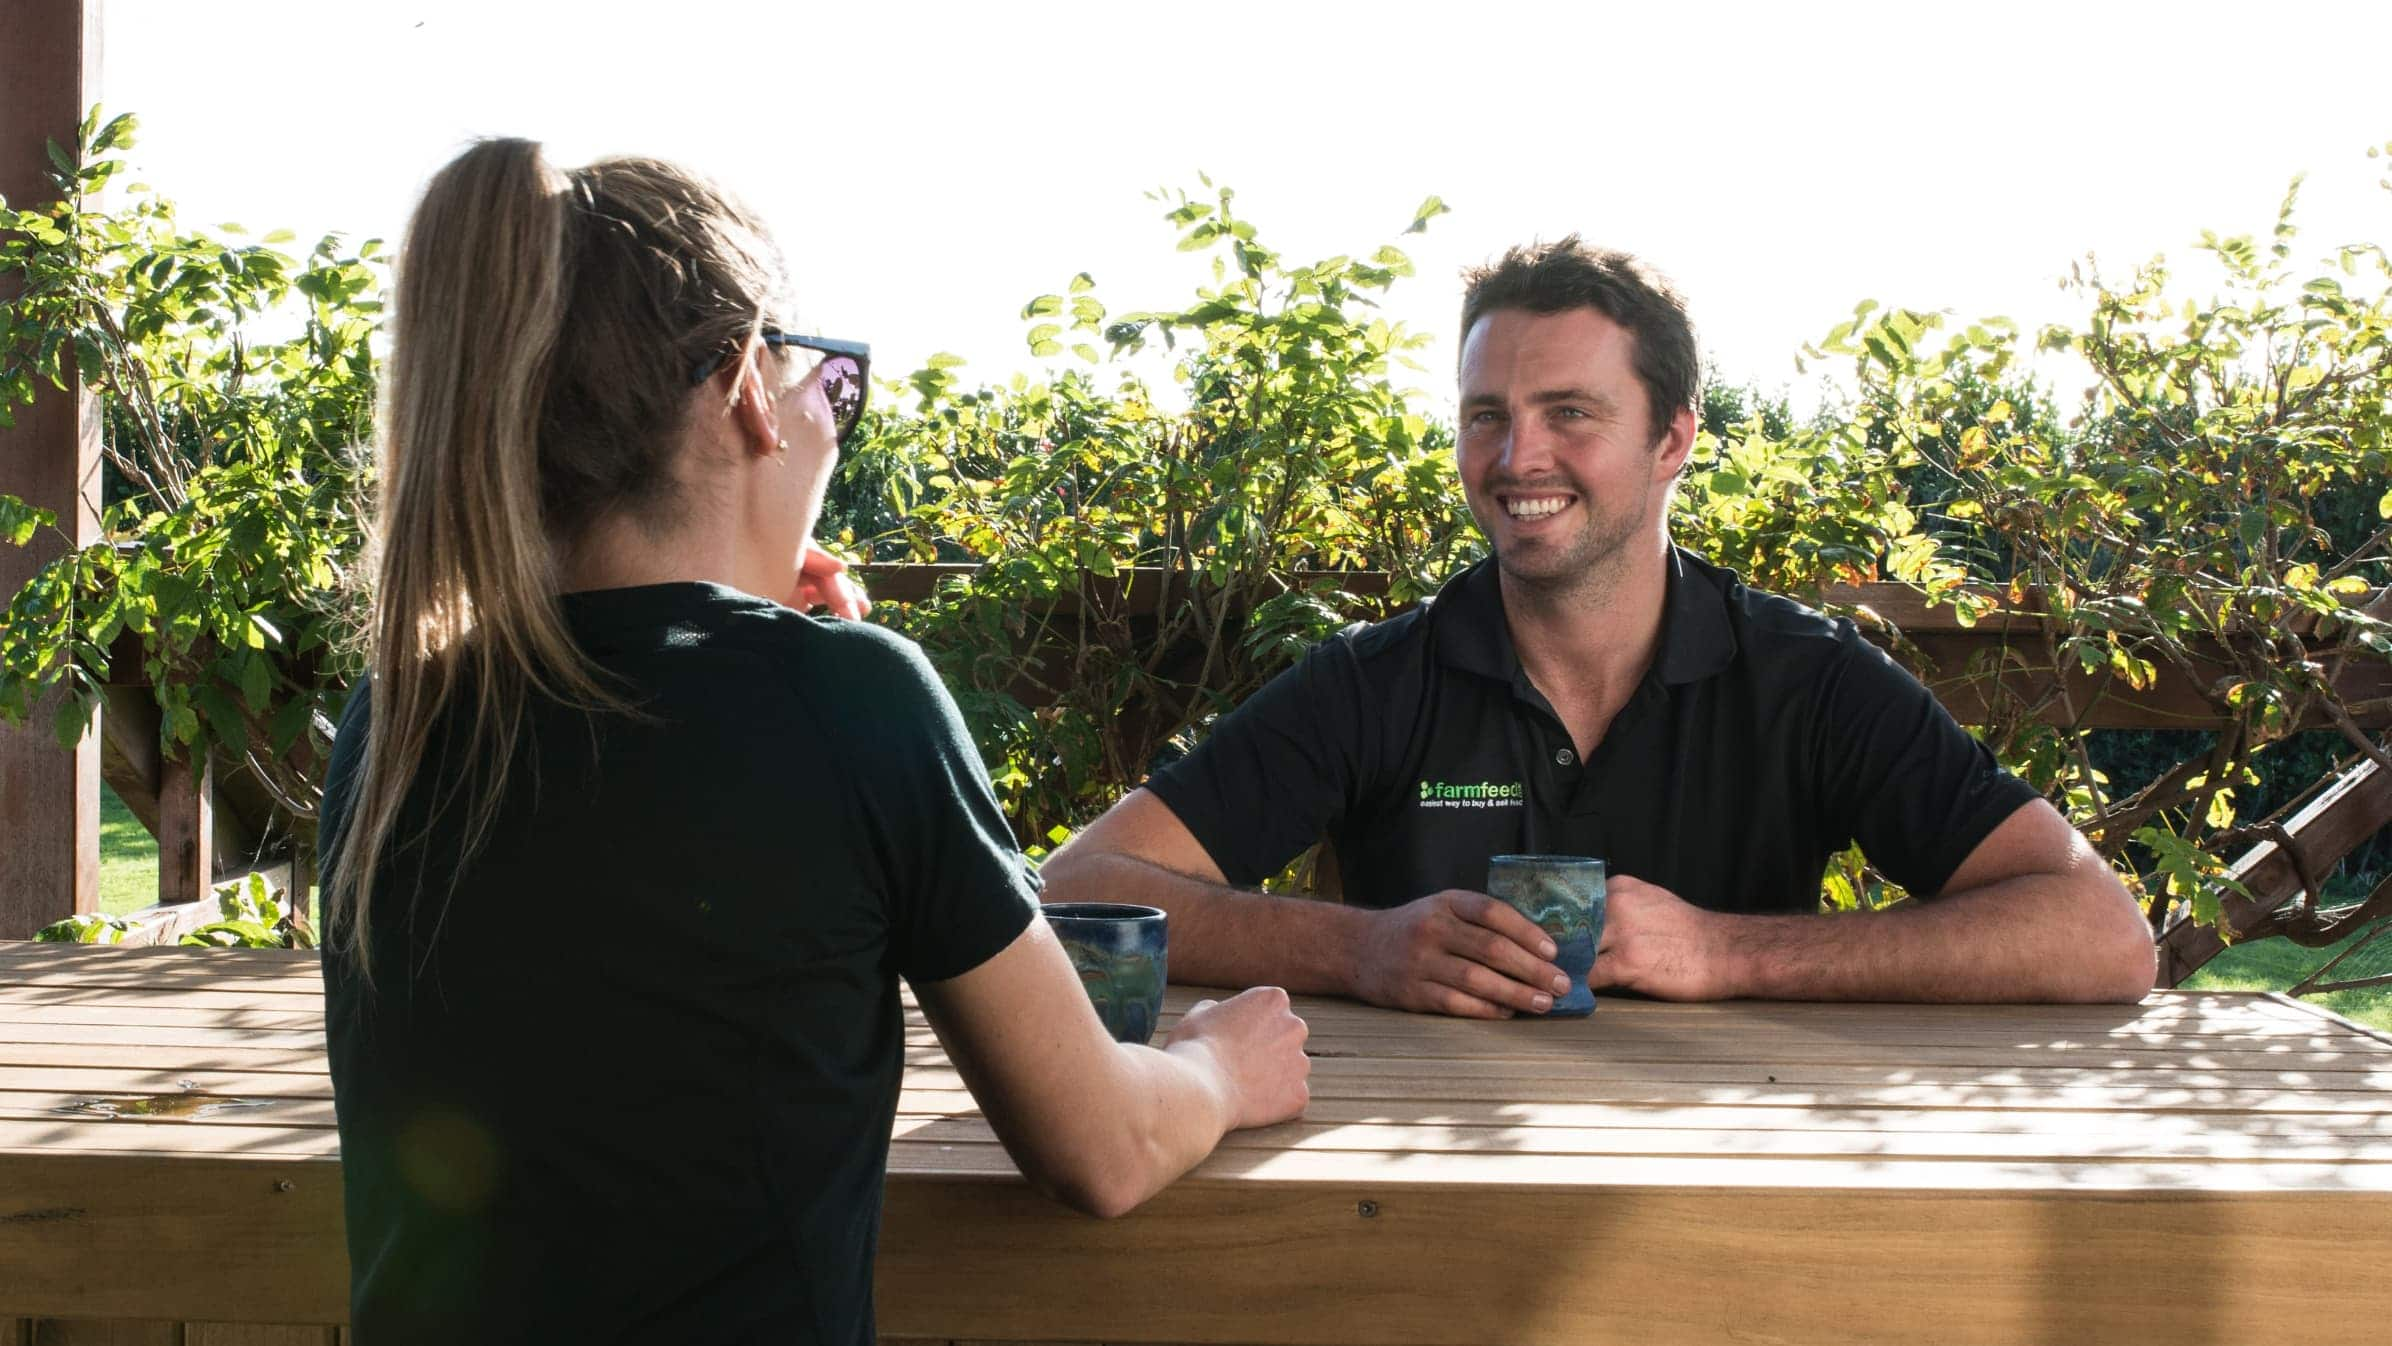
{"x": 1764, "y": 740}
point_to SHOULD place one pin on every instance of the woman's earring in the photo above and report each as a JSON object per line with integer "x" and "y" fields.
{"x": 783, "y": 450}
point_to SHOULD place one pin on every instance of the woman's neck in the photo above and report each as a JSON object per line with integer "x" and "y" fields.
{"x": 620, "y": 553}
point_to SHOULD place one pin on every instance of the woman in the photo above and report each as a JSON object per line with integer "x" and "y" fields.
{"x": 626, "y": 858}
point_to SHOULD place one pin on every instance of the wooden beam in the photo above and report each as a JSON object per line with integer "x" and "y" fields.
{"x": 2350, "y": 811}
{"x": 49, "y": 796}
{"x": 1549, "y": 1267}
{"x": 243, "y": 809}
{"x": 283, "y": 1215}
{"x": 1930, "y": 641}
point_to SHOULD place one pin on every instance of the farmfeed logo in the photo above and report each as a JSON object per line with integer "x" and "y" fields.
{"x": 1485, "y": 794}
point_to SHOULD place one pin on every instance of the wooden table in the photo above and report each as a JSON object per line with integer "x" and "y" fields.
{"x": 2201, "y": 1168}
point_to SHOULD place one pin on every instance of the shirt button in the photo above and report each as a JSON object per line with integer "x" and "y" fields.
{"x": 1564, "y": 757}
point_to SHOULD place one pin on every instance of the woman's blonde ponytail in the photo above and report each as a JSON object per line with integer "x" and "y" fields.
{"x": 465, "y": 589}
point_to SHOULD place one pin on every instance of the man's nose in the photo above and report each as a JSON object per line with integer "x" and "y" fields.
{"x": 1527, "y": 449}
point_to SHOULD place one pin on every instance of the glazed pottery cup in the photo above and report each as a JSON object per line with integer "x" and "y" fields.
{"x": 1118, "y": 950}
{"x": 1564, "y": 894}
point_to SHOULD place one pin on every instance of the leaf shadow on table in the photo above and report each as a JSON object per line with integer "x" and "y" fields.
{"x": 2091, "y": 1137}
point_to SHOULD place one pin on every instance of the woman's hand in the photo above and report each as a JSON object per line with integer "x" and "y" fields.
{"x": 823, "y": 582}
{"x": 1255, "y": 1044}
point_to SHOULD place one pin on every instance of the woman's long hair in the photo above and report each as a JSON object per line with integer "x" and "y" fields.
{"x": 545, "y": 332}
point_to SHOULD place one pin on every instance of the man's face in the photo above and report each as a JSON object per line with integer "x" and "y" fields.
{"x": 1557, "y": 450}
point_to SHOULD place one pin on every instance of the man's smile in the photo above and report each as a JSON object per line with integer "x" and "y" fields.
{"x": 1529, "y": 506}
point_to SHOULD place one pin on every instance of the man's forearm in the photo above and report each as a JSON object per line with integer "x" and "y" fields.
{"x": 2036, "y": 937}
{"x": 1222, "y": 936}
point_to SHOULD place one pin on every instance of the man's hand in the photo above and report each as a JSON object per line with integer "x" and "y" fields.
{"x": 1657, "y": 943}
{"x": 1460, "y": 953}
{"x": 822, "y": 582}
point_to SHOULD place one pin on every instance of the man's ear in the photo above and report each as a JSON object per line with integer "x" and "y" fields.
{"x": 1676, "y": 444}
{"x": 754, "y": 412}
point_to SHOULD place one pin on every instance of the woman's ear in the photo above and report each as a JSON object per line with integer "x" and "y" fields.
{"x": 754, "y": 411}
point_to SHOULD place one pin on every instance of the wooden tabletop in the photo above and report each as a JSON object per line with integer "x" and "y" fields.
{"x": 2198, "y": 1168}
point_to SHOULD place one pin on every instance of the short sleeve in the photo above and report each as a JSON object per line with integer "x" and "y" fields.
{"x": 1900, "y": 776}
{"x": 956, "y": 887}
{"x": 1277, "y": 772}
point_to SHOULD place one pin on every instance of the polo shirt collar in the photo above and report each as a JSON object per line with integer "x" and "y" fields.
{"x": 1696, "y": 638}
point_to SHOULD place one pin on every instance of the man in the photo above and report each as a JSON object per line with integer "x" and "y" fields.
{"x": 1592, "y": 690}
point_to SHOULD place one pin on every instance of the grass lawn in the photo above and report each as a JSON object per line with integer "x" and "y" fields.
{"x": 129, "y": 880}
{"x": 128, "y": 858}
{"x": 129, "y": 862}
{"x": 2275, "y": 964}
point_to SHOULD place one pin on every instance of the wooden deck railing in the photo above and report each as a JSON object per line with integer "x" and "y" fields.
{"x": 211, "y": 822}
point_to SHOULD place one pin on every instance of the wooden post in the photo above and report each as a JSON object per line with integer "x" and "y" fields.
{"x": 186, "y": 828}
{"x": 49, "y": 796}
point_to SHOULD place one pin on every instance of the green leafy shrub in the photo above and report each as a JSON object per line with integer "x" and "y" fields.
{"x": 1295, "y": 462}
{"x": 2192, "y": 517}
{"x": 1141, "y": 558}
{"x": 235, "y": 378}
{"x": 252, "y": 912}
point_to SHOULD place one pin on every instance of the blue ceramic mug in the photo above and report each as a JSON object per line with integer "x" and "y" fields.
{"x": 1565, "y": 895}
{"x": 1119, "y": 951}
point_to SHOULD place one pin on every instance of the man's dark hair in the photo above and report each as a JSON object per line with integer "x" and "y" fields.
{"x": 1558, "y": 277}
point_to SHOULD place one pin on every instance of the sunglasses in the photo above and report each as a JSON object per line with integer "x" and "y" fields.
{"x": 845, "y": 369}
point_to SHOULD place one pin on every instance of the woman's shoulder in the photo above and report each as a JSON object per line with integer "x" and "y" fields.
{"x": 829, "y": 646}
{"x": 873, "y": 676}
{"x": 691, "y": 616}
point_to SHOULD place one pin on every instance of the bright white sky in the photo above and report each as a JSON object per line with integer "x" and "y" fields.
{"x": 931, "y": 166}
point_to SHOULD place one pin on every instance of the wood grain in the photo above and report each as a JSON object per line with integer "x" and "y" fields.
{"x": 67, "y": 1221}
{"x": 87, "y": 1332}
{"x": 1368, "y": 1262}
{"x": 1722, "y": 1173}
{"x": 240, "y": 1334}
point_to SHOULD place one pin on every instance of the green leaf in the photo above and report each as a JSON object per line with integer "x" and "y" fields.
{"x": 2221, "y": 808}
{"x": 233, "y": 935}
{"x": 117, "y": 134}
{"x": 1082, "y": 283}
{"x": 73, "y": 717}
{"x": 1429, "y": 210}
{"x": 88, "y": 928}
{"x": 257, "y": 681}
{"x": 19, "y": 521}
{"x": 224, "y": 717}
{"x": 290, "y": 721}
{"x": 64, "y": 161}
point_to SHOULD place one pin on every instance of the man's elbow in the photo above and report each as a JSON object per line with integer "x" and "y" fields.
{"x": 2129, "y": 962}
{"x": 1069, "y": 875}
{"x": 2127, "y": 974}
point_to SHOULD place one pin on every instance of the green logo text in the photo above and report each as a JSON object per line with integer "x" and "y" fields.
{"x": 1485, "y": 791}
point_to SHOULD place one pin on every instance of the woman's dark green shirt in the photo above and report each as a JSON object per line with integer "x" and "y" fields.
{"x": 627, "y": 1069}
